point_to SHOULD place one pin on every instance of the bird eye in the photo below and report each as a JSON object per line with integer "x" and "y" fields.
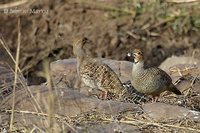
{"x": 85, "y": 40}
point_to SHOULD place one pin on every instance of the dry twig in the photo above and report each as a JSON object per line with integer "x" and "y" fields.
{"x": 14, "y": 4}
{"x": 136, "y": 122}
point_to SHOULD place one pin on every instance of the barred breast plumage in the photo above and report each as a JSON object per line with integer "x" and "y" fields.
{"x": 150, "y": 81}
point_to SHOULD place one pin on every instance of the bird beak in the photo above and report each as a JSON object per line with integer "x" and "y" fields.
{"x": 129, "y": 54}
{"x": 129, "y": 57}
{"x": 134, "y": 55}
{"x": 86, "y": 41}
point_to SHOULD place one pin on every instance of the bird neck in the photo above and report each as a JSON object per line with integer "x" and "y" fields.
{"x": 138, "y": 67}
{"x": 80, "y": 57}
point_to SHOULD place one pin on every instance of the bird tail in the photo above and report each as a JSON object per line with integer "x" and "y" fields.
{"x": 175, "y": 90}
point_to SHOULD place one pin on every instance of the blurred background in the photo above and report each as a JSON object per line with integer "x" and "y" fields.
{"x": 160, "y": 27}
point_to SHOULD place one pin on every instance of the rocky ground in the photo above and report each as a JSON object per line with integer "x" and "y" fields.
{"x": 62, "y": 108}
{"x": 167, "y": 32}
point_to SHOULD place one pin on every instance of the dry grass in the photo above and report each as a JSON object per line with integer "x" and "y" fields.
{"x": 110, "y": 8}
{"x": 50, "y": 117}
{"x": 15, "y": 4}
{"x": 137, "y": 122}
{"x": 16, "y": 73}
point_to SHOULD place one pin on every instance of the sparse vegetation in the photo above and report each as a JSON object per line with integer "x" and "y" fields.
{"x": 160, "y": 27}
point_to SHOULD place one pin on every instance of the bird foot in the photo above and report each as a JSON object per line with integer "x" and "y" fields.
{"x": 155, "y": 99}
{"x": 103, "y": 95}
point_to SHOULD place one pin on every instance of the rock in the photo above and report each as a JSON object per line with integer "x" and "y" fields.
{"x": 181, "y": 62}
{"x": 63, "y": 102}
{"x": 64, "y": 71}
{"x": 183, "y": 69}
{"x": 162, "y": 112}
{"x": 189, "y": 83}
{"x": 110, "y": 128}
{"x": 66, "y": 102}
{"x": 7, "y": 77}
{"x": 0, "y": 120}
{"x": 122, "y": 68}
{"x": 114, "y": 107}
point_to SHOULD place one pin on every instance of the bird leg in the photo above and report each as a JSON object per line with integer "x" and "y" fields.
{"x": 155, "y": 99}
{"x": 104, "y": 95}
{"x": 77, "y": 83}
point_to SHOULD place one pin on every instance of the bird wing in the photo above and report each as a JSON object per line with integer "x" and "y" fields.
{"x": 102, "y": 75}
{"x": 107, "y": 78}
{"x": 159, "y": 74}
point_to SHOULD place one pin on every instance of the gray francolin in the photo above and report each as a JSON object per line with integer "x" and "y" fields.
{"x": 94, "y": 73}
{"x": 150, "y": 80}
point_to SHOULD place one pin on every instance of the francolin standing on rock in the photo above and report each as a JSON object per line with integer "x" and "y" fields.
{"x": 152, "y": 80}
{"x": 94, "y": 73}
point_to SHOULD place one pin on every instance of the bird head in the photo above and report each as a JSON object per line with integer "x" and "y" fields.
{"x": 78, "y": 46}
{"x": 137, "y": 55}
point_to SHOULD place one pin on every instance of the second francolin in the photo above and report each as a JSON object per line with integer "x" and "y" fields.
{"x": 94, "y": 73}
{"x": 150, "y": 80}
